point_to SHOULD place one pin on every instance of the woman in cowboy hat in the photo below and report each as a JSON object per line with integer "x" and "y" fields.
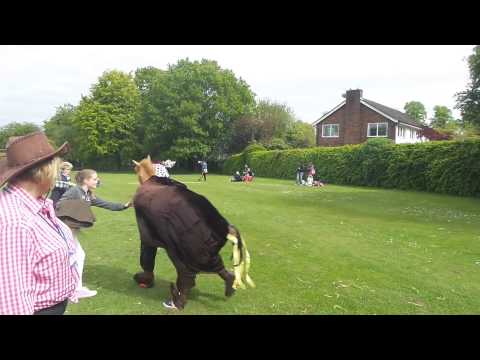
{"x": 38, "y": 271}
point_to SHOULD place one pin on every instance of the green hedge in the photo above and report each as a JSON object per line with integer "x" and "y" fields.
{"x": 449, "y": 167}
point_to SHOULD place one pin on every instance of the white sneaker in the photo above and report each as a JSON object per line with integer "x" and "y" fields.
{"x": 169, "y": 304}
{"x": 85, "y": 292}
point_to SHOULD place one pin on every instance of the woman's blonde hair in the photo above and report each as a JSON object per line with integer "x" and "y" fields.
{"x": 45, "y": 171}
{"x": 66, "y": 165}
{"x": 84, "y": 174}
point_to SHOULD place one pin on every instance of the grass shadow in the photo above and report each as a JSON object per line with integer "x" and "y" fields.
{"x": 121, "y": 281}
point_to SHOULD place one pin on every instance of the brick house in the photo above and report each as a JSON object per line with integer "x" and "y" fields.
{"x": 356, "y": 119}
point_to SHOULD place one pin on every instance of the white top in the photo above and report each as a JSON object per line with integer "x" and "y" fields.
{"x": 161, "y": 170}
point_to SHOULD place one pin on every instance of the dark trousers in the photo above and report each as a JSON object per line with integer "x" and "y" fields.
{"x": 185, "y": 277}
{"x": 58, "y": 309}
{"x": 147, "y": 257}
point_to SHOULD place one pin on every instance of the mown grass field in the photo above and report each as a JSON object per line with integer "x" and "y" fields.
{"x": 331, "y": 250}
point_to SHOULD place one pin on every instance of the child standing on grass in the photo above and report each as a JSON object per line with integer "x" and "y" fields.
{"x": 87, "y": 180}
{"x": 63, "y": 183}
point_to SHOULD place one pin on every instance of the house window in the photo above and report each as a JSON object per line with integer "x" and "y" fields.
{"x": 413, "y": 134}
{"x": 401, "y": 131}
{"x": 377, "y": 130}
{"x": 330, "y": 130}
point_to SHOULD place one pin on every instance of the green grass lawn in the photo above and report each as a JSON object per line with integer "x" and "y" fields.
{"x": 331, "y": 250}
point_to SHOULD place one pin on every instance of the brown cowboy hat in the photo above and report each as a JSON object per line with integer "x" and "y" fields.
{"x": 24, "y": 152}
{"x": 75, "y": 213}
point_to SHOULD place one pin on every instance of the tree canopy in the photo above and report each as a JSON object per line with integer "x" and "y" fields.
{"x": 105, "y": 121}
{"x": 416, "y": 110}
{"x": 442, "y": 117}
{"x": 190, "y": 108}
{"x": 16, "y": 129}
{"x": 468, "y": 101}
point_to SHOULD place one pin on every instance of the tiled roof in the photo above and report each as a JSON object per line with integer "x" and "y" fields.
{"x": 397, "y": 115}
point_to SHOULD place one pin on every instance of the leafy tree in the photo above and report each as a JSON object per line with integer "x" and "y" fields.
{"x": 192, "y": 108}
{"x": 468, "y": 101}
{"x": 16, "y": 129}
{"x": 61, "y": 127}
{"x": 273, "y": 120}
{"x": 106, "y": 119}
{"x": 300, "y": 135}
{"x": 145, "y": 77}
{"x": 416, "y": 110}
{"x": 245, "y": 130}
{"x": 442, "y": 116}
{"x": 270, "y": 123}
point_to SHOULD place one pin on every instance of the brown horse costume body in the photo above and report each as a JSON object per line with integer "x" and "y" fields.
{"x": 186, "y": 225}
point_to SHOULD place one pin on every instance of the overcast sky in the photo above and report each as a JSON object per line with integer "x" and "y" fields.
{"x": 34, "y": 80}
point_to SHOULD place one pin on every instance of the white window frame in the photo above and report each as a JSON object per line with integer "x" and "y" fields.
{"x": 376, "y": 124}
{"x": 401, "y": 131}
{"x": 323, "y": 130}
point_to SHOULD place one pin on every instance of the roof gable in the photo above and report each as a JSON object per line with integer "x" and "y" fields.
{"x": 389, "y": 113}
{"x": 324, "y": 116}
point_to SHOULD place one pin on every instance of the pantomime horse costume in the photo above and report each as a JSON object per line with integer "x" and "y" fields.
{"x": 190, "y": 229}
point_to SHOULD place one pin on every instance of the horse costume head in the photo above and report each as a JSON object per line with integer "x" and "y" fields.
{"x": 144, "y": 169}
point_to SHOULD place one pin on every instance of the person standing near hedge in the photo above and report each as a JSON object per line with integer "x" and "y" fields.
{"x": 302, "y": 171}
{"x": 311, "y": 174}
{"x": 298, "y": 179}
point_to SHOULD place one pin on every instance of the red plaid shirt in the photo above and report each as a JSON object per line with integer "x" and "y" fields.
{"x": 37, "y": 254}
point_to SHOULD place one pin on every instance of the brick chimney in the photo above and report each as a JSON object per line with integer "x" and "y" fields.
{"x": 352, "y": 116}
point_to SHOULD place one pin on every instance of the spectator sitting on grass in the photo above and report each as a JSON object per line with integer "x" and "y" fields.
{"x": 318, "y": 182}
{"x": 248, "y": 177}
{"x": 236, "y": 177}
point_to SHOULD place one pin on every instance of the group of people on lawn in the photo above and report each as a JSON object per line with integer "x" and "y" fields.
{"x": 246, "y": 177}
{"x": 310, "y": 172}
{"x": 302, "y": 170}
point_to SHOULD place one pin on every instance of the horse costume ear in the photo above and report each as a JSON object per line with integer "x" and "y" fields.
{"x": 136, "y": 163}
{"x": 149, "y": 158}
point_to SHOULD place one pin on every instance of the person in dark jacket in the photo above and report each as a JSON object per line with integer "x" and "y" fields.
{"x": 204, "y": 167}
{"x": 187, "y": 226}
{"x": 86, "y": 180}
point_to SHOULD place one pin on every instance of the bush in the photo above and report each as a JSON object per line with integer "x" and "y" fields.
{"x": 277, "y": 144}
{"x": 254, "y": 147}
{"x": 449, "y": 167}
